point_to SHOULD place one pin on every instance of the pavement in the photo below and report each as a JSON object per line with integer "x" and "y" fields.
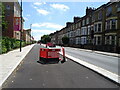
{"x": 11, "y": 60}
{"x": 99, "y": 52}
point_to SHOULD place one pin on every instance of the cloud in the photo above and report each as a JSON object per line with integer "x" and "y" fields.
{"x": 43, "y": 31}
{"x": 42, "y": 11}
{"x": 28, "y": 15}
{"x": 60, "y": 7}
{"x": 26, "y": 19}
{"x": 48, "y": 25}
{"x": 38, "y": 33}
{"x": 37, "y": 3}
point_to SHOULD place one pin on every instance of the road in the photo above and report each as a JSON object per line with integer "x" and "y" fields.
{"x": 109, "y": 63}
{"x": 54, "y": 75}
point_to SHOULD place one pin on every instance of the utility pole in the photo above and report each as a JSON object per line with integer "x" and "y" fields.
{"x": 21, "y": 29}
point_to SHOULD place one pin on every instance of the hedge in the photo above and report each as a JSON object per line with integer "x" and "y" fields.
{"x": 10, "y": 44}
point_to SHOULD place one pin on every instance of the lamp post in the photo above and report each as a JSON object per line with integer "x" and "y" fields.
{"x": 21, "y": 29}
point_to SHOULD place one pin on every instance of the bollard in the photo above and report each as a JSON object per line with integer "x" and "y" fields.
{"x": 63, "y": 51}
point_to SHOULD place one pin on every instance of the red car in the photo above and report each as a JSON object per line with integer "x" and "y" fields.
{"x": 50, "y": 44}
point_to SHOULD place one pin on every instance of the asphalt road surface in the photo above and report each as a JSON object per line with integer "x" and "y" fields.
{"x": 32, "y": 74}
{"x": 109, "y": 63}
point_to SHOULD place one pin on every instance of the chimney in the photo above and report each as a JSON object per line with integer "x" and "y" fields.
{"x": 68, "y": 24}
{"x": 89, "y": 10}
{"x": 76, "y": 19}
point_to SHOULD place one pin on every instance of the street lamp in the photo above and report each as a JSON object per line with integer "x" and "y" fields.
{"x": 21, "y": 29}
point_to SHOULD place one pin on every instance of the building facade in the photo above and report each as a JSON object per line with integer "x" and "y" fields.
{"x": 104, "y": 21}
{"x": 27, "y": 35}
{"x": 12, "y": 10}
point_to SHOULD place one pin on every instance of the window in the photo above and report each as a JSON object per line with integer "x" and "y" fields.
{"x": 73, "y": 26}
{"x": 113, "y": 40}
{"x": 113, "y": 22}
{"x": 87, "y": 20}
{"x": 108, "y": 24}
{"x": 82, "y": 31}
{"x": 91, "y": 27}
{"x": 85, "y": 31}
{"x": 78, "y": 40}
{"x": 17, "y": 33}
{"x": 109, "y": 11}
{"x": 89, "y": 30}
{"x": 8, "y": 7}
{"x": 99, "y": 27}
{"x": 118, "y": 7}
{"x": 100, "y": 15}
{"x": 83, "y": 22}
{"x": 83, "y": 40}
{"x": 79, "y": 24}
{"x": 95, "y": 27}
{"x": 99, "y": 40}
{"x": 107, "y": 40}
{"x": 78, "y": 32}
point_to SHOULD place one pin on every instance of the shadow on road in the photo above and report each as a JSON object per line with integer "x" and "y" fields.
{"x": 48, "y": 62}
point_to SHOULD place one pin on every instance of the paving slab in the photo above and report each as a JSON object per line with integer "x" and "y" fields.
{"x": 10, "y": 61}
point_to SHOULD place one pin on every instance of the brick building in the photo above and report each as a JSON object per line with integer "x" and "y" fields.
{"x": 27, "y": 35}
{"x": 105, "y": 21}
{"x": 12, "y": 9}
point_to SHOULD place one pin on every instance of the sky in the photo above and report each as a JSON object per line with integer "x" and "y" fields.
{"x": 47, "y": 17}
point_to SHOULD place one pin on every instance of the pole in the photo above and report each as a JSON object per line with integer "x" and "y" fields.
{"x": 30, "y": 33}
{"x": 21, "y": 29}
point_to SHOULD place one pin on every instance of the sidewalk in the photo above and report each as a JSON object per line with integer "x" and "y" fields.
{"x": 99, "y": 52}
{"x": 10, "y": 61}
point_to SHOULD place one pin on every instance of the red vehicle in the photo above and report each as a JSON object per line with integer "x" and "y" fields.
{"x": 50, "y": 44}
{"x": 47, "y": 54}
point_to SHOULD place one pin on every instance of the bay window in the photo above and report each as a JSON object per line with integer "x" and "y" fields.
{"x": 108, "y": 24}
{"x": 99, "y": 27}
{"x": 113, "y": 22}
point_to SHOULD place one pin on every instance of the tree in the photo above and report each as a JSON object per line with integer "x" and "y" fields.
{"x": 2, "y": 17}
{"x": 45, "y": 39}
{"x": 65, "y": 40}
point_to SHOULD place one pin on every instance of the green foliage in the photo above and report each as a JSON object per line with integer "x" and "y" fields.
{"x": 4, "y": 23}
{"x": 4, "y": 49}
{"x": 45, "y": 39}
{"x": 8, "y": 44}
{"x": 17, "y": 44}
{"x": 28, "y": 43}
{"x": 65, "y": 40}
{"x": 23, "y": 44}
